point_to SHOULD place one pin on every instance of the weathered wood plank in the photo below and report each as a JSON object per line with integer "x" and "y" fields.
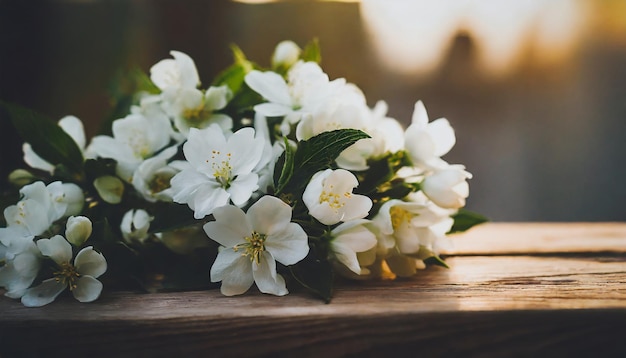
{"x": 492, "y": 304}
{"x": 524, "y": 238}
{"x": 505, "y": 300}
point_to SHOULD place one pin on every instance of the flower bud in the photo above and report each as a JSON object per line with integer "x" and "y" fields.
{"x": 447, "y": 188}
{"x": 285, "y": 54}
{"x": 109, "y": 188}
{"x": 77, "y": 230}
{"x": 135, "y": 225}
{"x": 21, "y": 177}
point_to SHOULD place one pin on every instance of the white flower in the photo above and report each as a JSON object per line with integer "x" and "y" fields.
{"x": 271, "y": 153}
{"x": 135, "y": 137}
{"x": 152, "y": 177}
{"x": 220, "y": 169}
{"x": 59, "y": 199}
{"x": 26, "y": 218}
{"x": 285, "y": 54}
{"x": 447, "y": 187}
{"x": 135, "y": 225}
{"x": 413, "y": 225}
{"x": 427, "y": 142}
{"x": 179, "y": 72}
{"x": 80, "y": 277}
{"x": 306, "y": 88}
{"x": 387, "y": 132}
{"x": 78, "y": 229}
{"x": 193, "y": 109}
{"x": 350, "y": 238}
{"x": 21, "y": 267}
{"x": 346, "y": 109}
{"x": 70, "y": 125}
{"x": 329, "y": 198}
{"x": 253, "y": 242}
{"x": 386, "y": 136}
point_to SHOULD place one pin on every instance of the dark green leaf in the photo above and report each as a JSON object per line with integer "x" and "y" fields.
{"x": 465, "y": 219}
{"x": 319, "y": 153}
{"x": 47, "y": 139}
{"x": 316, "y": 275}
{"x": 287, "y": 169}
{"x": 429, "y": 257}
{"x": 436, "y": 260}
{"x": 312, "y": 51}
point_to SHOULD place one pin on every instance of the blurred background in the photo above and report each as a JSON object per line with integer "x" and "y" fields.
{"x": 536, "y": 90}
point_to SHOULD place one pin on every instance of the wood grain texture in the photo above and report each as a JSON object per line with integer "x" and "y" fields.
{"x": 492, "y": 305}
{"x": 539, "y": 238}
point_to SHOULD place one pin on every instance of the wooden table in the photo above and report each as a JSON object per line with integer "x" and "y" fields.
{"x": 512, "y": 290}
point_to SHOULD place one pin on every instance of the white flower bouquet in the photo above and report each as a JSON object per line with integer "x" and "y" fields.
{"x": 274, "y": 177}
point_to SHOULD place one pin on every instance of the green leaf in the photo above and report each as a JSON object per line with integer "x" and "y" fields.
{"x": 312, "y": 51}
{"x": 321, "y": 150}
{"x": 233, "y": 76}
{"x": 319, "y": 153}
{"x": 287, "y": 159}
{"x": 436, "y": 260}
{"x": 47, "y": 139}
{"x": 429, "y": 257}
{"x": 465, "y": 219}
{"x": 316, "y": 275}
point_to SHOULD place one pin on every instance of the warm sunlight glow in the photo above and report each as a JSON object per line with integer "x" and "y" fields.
{"x": 415, "y": 36}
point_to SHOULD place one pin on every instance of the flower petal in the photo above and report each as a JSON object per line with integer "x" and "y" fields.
{"x": 230, "y": 227}
{"x": 269, "y": 214}
{"x": 270, "y": 85}
{"x": 188, "y": 73}
{"x": 57, "y": 248}
{"x": 90, "y": 262}
{"x": 234, "y": 270}
{"x": 266, "y": 278}
{"x": 289, "y": 245}
{"x": 207, "y": 198}
{"x": 246, "y": 150}
{"x": 87, "y": 289}
{"x": 217, "y": 97}
{"x": 242, "y": 187}
{"x": 74, "y": 128}
{"x": 354, "y": 235}
{"x": 43, "y": 294}
{"x": 420, "y": 116}
{"x": 272, "y": 109}
{"x": 443, "y": 135}
{"x": 346, "y": 256}
{"x": 356, "y": 207}
{"x": 34, "y": 160}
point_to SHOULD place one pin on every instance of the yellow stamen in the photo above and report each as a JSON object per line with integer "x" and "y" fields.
{"x": 254, "y": 246}
{"x": 400, "y": 217}
{"x": 67, "y": 275}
